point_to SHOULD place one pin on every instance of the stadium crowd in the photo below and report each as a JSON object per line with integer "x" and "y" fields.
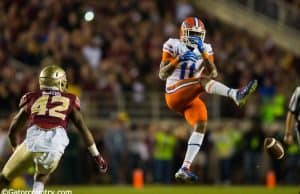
{"x": 285, "y": 11}
{"x": 120, "y": 51}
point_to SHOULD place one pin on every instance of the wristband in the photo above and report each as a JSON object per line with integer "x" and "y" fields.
{"x": 93, "y": 150}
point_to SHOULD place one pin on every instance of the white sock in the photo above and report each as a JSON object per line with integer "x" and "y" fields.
{"x": 215, "y": 87}
{"x": 193, "y": 147}
{"x": 38, "y": 187}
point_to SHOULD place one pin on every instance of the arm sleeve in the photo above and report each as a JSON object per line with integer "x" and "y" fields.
{"x": 293, "y": 105}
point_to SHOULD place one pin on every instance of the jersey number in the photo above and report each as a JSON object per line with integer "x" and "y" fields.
{"x": 184, "y": 68}
{"x": 40, "y": 106}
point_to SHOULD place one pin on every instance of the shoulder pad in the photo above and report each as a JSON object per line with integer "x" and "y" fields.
{"x": 171, "y": 46}
{"x": 74, "y": 99}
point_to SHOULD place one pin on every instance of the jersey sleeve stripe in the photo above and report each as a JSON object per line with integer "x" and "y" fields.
{"x": 196, "y": 22}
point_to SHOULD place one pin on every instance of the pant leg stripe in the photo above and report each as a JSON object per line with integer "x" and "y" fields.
{"x": 194, "y": 144}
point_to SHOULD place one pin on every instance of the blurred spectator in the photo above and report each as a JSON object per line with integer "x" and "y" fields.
{"x": 163, "y": 154}
{"x": 150, "y": 144}
{"x": 137, "y": 150}
{"x": 273, "y": 104}
{"x": 287, "y": 11}
{"x": 92, "y": 52}
{"x": 183, "y": 10}
{"x": 4, "y": 100}
{"x": 116, "y": 145}
{"x": 253, "y": 143}
{"x": 225, "y": 140}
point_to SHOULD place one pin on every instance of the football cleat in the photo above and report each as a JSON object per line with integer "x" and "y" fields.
{"x": 243, "y": 94}
{"x": 185, "y": 175}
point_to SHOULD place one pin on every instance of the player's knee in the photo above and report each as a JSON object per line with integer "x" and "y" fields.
{"x": 3, "y": 181}
{"x": 204, "y": 81}
{"x": 200, "y": 126}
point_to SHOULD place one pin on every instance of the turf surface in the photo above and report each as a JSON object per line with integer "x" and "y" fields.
{"x": 180, "y": 190}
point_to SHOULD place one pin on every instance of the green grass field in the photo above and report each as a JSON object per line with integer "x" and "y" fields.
{"x": 181, "y": 190}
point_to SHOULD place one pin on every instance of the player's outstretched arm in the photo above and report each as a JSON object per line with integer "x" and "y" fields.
{"x": 166, "y": 69}
{"x": 289, "y": 124}
{"x": 167, "y": 65}
{"x": 16, "y": 125}
{"x": 210, "y": 64}
{"x": 78, "y": 121}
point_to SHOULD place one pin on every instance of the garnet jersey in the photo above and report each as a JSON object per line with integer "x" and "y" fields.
{"x": 185, "y": 69}
{"x": 49, "y": 109}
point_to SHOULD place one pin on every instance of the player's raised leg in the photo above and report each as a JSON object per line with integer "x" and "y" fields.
{"x": 239, "y": 96}
{"x": 196, "y": 115}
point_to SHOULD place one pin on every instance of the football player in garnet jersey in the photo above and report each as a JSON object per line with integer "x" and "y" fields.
{"x": 48, "y": 112}
{"x": 182, "y": 66}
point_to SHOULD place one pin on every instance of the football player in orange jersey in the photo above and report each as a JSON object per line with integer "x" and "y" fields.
{"x": 183, "y": 63}
{"x": 47, "y": 112}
